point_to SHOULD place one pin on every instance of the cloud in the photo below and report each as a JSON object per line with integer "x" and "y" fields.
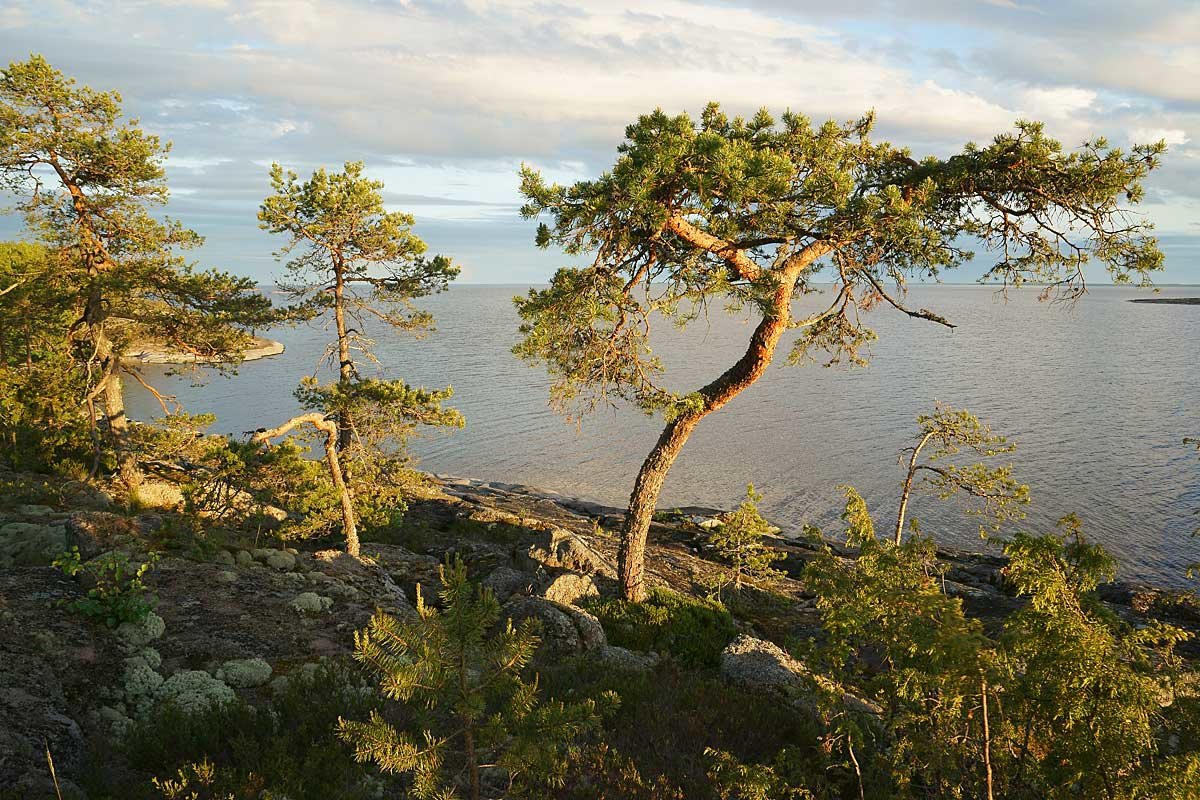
{"x": 445, "y": 98}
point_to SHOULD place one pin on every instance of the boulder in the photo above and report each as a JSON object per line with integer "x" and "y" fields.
{"x": 280, "y": 560}
{"x": 506, "y": 581}
{"x": 80, "y": 494}
{"x": 31, "y": 543}
{"x": 627, "y": 660}
{"x": 763, "y": 666}
{"x": 759, "y": 664}
{"x": 570, "y": 588}
{"x": 559, "y": 548}
{"x": 96, "y": 532}
{"x": 565, "y": 630}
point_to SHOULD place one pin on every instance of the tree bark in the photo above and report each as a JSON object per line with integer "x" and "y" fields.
{"x": 748, "y": 369}
{"x": 907, "y": 491}
{"x": 332, "y": 461}
{"x": 345, "y": 363}
{"x": 118, "y": 427}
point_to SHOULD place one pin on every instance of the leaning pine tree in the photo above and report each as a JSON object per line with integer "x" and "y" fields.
{"x": 750, "y": 212}
{"x": 354, "y": 259}
{"x": 88, "y": 181}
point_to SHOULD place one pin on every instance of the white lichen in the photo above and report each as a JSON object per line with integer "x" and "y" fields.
{"x": 312, "y": 603}
{"x": 135, "y": 635}
{"x": 245, "y": 673}
{"x": 193, "y": 691}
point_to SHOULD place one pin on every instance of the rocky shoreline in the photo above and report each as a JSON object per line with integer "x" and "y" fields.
{"x": 157, "y": 353}
{"x": 243, "y": 615}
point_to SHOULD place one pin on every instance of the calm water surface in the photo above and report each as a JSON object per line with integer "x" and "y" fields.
{"x": 1098, "y": 398}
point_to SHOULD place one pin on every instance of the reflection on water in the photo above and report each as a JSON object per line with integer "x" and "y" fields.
{"x": 1097, "y": 397}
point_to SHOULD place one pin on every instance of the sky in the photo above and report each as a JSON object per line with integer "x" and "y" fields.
{"x": 445, "y": 100}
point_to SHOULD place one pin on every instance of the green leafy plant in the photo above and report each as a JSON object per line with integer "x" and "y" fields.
{"x": 118, "y": 594}
{"x": 469, "y": 705}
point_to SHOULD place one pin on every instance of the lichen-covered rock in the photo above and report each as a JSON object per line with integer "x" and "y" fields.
{"x": 244, "y": 559}
{"x": 281, "y": 560}
{"x": 627, "y": 660}
{"x": 80, "y": 494}
{"x": 31, "y": 543}
{"x": 225, "y": 558}
{"x": 506, "y": 581}
{"x": 135, "y": 635}
{"x": 311, "y": 603}
{"x": 570, "y": 588}
{"x": 245, "y": 673}
{"x": 193, "y": 691}
{"x": 565, "y": 630}
{"x": 562, "y": 549}
{"x": 759, "y": 664}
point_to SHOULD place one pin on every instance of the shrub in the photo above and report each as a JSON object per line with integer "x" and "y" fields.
{"x": 694, "y": 630}
{"x": 286, "y": 747}
{"x": 119, "y": 594}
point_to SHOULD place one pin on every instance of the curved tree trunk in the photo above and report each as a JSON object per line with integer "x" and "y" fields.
{"x": 906, "y": 492}
{"x": 336, "y": 474}
{"x": 731, "y": 383}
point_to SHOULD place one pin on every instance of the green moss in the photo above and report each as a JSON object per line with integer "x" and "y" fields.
{"x": 694, "y": 630}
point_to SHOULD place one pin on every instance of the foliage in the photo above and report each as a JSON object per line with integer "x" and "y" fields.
{"x": 1091, "y": 703}
{"x": 470, "y": 704}
{"x": 734, "y": 780}
{"x": 738, "y": 542}
{"x": 1081, "y": 703}
{"x": 999, "y": 495}
{"x": 87, "y": 181}
{"x": 43, "y": 427}
{"x": 118, "y": 593}
{"x": 925, "y": 661}
{"x": 694, "y": 630}
{"x": 666, "y": 720}
{"x": 719, "y": 210}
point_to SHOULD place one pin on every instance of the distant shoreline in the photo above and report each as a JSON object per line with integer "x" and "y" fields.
{"x": 158, "y": 353}
{"x": 1172, "y": 301}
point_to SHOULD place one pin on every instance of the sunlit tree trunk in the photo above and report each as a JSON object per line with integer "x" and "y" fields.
{"x": 748, "y": 369}
{"x": 345, "y": 363}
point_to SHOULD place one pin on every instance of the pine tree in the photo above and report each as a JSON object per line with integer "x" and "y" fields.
{"x": 87, "y": 181}
{"x": 464, "y": 691}
{"x": 738, "y": 541}
{"x": 949, "y": 432}
{"x": 746, "y": 213}
{"x": 353, "y": 258}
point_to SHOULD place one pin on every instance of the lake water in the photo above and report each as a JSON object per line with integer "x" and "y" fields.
{"x": 1098, "y": 397}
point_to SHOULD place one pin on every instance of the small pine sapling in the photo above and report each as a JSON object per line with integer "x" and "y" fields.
{"x": 738, "y": 541}
{"x": 469, "y": 710}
